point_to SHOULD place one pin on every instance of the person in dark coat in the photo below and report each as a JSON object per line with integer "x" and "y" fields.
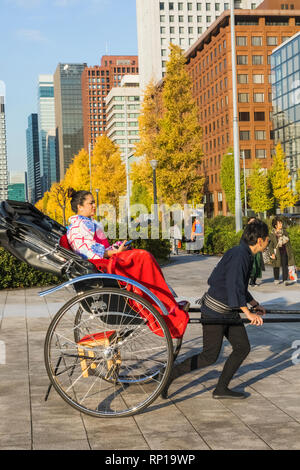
{"x": 227, "y": 295}
{"x": 280, "y": 250}
{"x": 258, "y": 264}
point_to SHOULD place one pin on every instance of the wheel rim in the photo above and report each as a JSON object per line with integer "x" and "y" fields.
{"x": 103, "y": 358}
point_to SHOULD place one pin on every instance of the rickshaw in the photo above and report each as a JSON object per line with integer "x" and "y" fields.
{"x": 107, "y": 351}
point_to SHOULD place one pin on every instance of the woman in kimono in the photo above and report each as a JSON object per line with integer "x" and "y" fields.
{"x": 86, "y": 238}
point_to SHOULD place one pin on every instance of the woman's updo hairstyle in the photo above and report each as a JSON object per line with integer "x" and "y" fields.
{"x": 77, "y": 198}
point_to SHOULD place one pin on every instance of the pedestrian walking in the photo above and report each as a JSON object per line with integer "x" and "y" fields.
{"x": 227, "y": 295}
{"x": 197, "y": 232}
{"x": 281, "y": 252}
{"x": 258, "y": 264}
{"x": 176, "y": 237}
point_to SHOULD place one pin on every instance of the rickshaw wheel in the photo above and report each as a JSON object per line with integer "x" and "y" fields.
{"x": 108, "y": 352}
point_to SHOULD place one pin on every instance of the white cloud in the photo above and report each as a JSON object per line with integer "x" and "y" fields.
{"x": 31, "y": 35}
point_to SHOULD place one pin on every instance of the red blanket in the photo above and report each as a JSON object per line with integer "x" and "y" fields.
{"x": 141, "y": 266}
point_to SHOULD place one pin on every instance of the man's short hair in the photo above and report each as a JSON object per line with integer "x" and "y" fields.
{"x": 255, "y": 230}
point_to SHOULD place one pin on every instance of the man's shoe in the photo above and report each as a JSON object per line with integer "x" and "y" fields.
{"x": 276, "y": 282}
{"x": 228, "y": 394}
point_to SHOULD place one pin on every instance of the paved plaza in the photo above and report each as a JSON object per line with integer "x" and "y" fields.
{"x": 190, "y": 419}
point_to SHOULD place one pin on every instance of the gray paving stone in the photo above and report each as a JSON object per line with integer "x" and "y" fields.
{"x": 190, "y": 419}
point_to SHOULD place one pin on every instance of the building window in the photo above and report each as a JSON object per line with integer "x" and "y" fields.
{"x": 260, "y": 135}
{"x": 180, "y": 6}
{"x": 272, "y": 41}
{"x": 244, "y": 116}
{"x": 242, "y": 60}
{"x": 260, "y": 153}
{"x": 171, "y": 6}
{"x": 258, "y": 78}
{"x": 257, "y": 60}
{"x": 180, "y": 19}
{"x": 242, "y": 78}
{"x": 256, "y": 40}
{"x": 243, "y": 97}
{"x": 189, "y": 6}
{"x": 259, "y": 115}
{"x": 246, "y": 153}
{"x": 162, "y": 18}
{"x": 244, "y": 135}
{"x": 171, "y": 18}
{"x": 162, "y": 30}
{"x": 258, "y": 97}
{"x": 207, "y": 6}
{"x": 241, "y": 40}
{"x": 199, "y": 6}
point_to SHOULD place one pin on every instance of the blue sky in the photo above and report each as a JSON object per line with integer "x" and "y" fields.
{"x": 36, "y": 35}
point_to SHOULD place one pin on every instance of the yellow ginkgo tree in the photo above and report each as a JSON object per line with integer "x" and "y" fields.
{"x": 260, "y": 197}
{"x": 280, "y": 180}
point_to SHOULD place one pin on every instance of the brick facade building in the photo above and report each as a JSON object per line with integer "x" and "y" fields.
{"x": 258, "y": 32}
{"x": 97, "y": 82}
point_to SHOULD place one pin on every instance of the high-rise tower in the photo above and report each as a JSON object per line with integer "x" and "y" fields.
{"x": 68, "y": 113}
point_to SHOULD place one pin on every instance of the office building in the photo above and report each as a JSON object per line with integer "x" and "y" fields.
{"x": 68, "y": 113}
{"x": 179, "y": 22}
{"x": 122, "y": 111}
{"x": 97, "y": 81}
{"x": 33, "y": 160}
{"x": 3, "y": 146}
{"x": 285, "y": 67}
{"x": 17, "y": 186}
{"x": 46, "y": 125}
{"x": 258, "y": 32}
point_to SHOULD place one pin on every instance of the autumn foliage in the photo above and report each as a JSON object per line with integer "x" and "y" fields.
{"x": 104, "y": 171}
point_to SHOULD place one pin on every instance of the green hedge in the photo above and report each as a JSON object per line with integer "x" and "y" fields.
{"x": 14, "y": 273}
{"x": 220, "y": 235}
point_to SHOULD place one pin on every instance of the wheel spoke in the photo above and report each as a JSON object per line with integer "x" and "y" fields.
{"x": 111, "y": 362}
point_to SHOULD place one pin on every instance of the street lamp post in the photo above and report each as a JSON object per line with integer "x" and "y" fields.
{"x": 90, "y": 167}
{"x": 154, "y": 164}
{"x": 97, "y": 201}
{"x": 245, "y": 188}
{"x": 238, "y": 203}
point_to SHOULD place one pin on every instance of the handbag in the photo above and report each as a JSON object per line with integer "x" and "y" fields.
{"x": 293, "y": 273}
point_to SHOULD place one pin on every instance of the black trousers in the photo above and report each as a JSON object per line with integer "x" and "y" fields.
{"x": 284, "y": 265}
{"x": 213, "y": 336}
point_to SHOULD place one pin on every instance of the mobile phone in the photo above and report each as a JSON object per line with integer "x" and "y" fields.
{"x": 128, "y": 242}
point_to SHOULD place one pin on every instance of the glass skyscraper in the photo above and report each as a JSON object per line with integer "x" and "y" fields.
{"x": 285, "y": 69}
{"x": 68, "y": 113}
{"x": 3, "y": 146}
{"x": 46, "y": 122}
{"x": 33, "y": 159}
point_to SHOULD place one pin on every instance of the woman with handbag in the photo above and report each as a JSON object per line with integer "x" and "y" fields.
{"x": 280, "y": 251}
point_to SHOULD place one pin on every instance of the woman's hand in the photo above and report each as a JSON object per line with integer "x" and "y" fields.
{"x": 122, "y": 247}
